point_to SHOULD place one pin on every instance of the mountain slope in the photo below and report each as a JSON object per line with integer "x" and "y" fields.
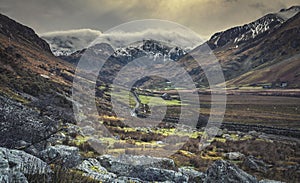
{"x": 281, "y": 57}
{"x": 17, "y": 32}
{"x": 274, "y": 45}
{"x": 250, "y": 31}
{"x": 30, "y": 73}
{"x": 35, "y": 77}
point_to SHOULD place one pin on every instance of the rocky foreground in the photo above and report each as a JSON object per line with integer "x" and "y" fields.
{"x": 32, "y": 149}
{"x": 16, "y": 165}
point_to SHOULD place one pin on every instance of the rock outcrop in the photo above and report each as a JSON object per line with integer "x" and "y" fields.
{"x": 129, "y": 168}
{"x": 15, "y": 164}
{"x": 193, "y": 175}
{"x": 255, "y": 164}
{"x": 60, "y": 154}
{"x": 92, "y": 168}
{"x": 145, "y": 168}
{"x": 224, "y": 172}
{"x": 24, "y": 128}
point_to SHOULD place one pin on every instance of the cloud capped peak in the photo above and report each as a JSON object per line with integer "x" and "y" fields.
{"x": 68, "y": 41}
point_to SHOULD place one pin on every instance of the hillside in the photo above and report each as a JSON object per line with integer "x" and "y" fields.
{"x": 260, "y": 54}
{"x": 280, "y": 57}
{"x": 14, "y": 31}
{"x": 30, "y": 73}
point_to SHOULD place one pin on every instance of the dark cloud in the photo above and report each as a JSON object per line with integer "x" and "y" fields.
{"x": 204, "y": 17}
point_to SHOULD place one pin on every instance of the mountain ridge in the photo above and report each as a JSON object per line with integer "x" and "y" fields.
{"x": 21, "y": 33}
{"x": 243, "y": 33}
{"x": 239, "y": 49}
{"x": 271, "y": 47}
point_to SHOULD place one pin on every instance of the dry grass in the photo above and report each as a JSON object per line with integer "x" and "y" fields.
{"x": 61, "y": 175}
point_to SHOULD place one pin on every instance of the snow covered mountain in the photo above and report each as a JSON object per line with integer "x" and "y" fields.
{"x": 264, "y": 51}
{"x": 64, "y": 43}
{"x": 67, "y": 42}
{"x": 151, "y": 48}
{"x": 256, "y": 29}
{"x": 260, "y": 44}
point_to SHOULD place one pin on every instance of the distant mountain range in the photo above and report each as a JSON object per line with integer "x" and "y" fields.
{"x": 258, "y": 53}
{"x": 262, "y": 52}
{"x": 149, "y": 48}
{"x": 64, "y": 43}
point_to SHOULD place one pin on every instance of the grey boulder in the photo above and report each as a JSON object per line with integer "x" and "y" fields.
{"x": 224, "y": 172}
{"x": 256, "y": 164}
{"x": 66, "y": 156}
{"x": 14, "y": 164}
{"x": 144, "y": 168}
{"x": 92, "y": 168}
{"x": 193, "y": 175}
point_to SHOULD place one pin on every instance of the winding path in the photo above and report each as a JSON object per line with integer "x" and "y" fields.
{"x": 137, "y": 103}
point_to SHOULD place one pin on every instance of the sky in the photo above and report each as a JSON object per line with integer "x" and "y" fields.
{"x": 205, "y": 17}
